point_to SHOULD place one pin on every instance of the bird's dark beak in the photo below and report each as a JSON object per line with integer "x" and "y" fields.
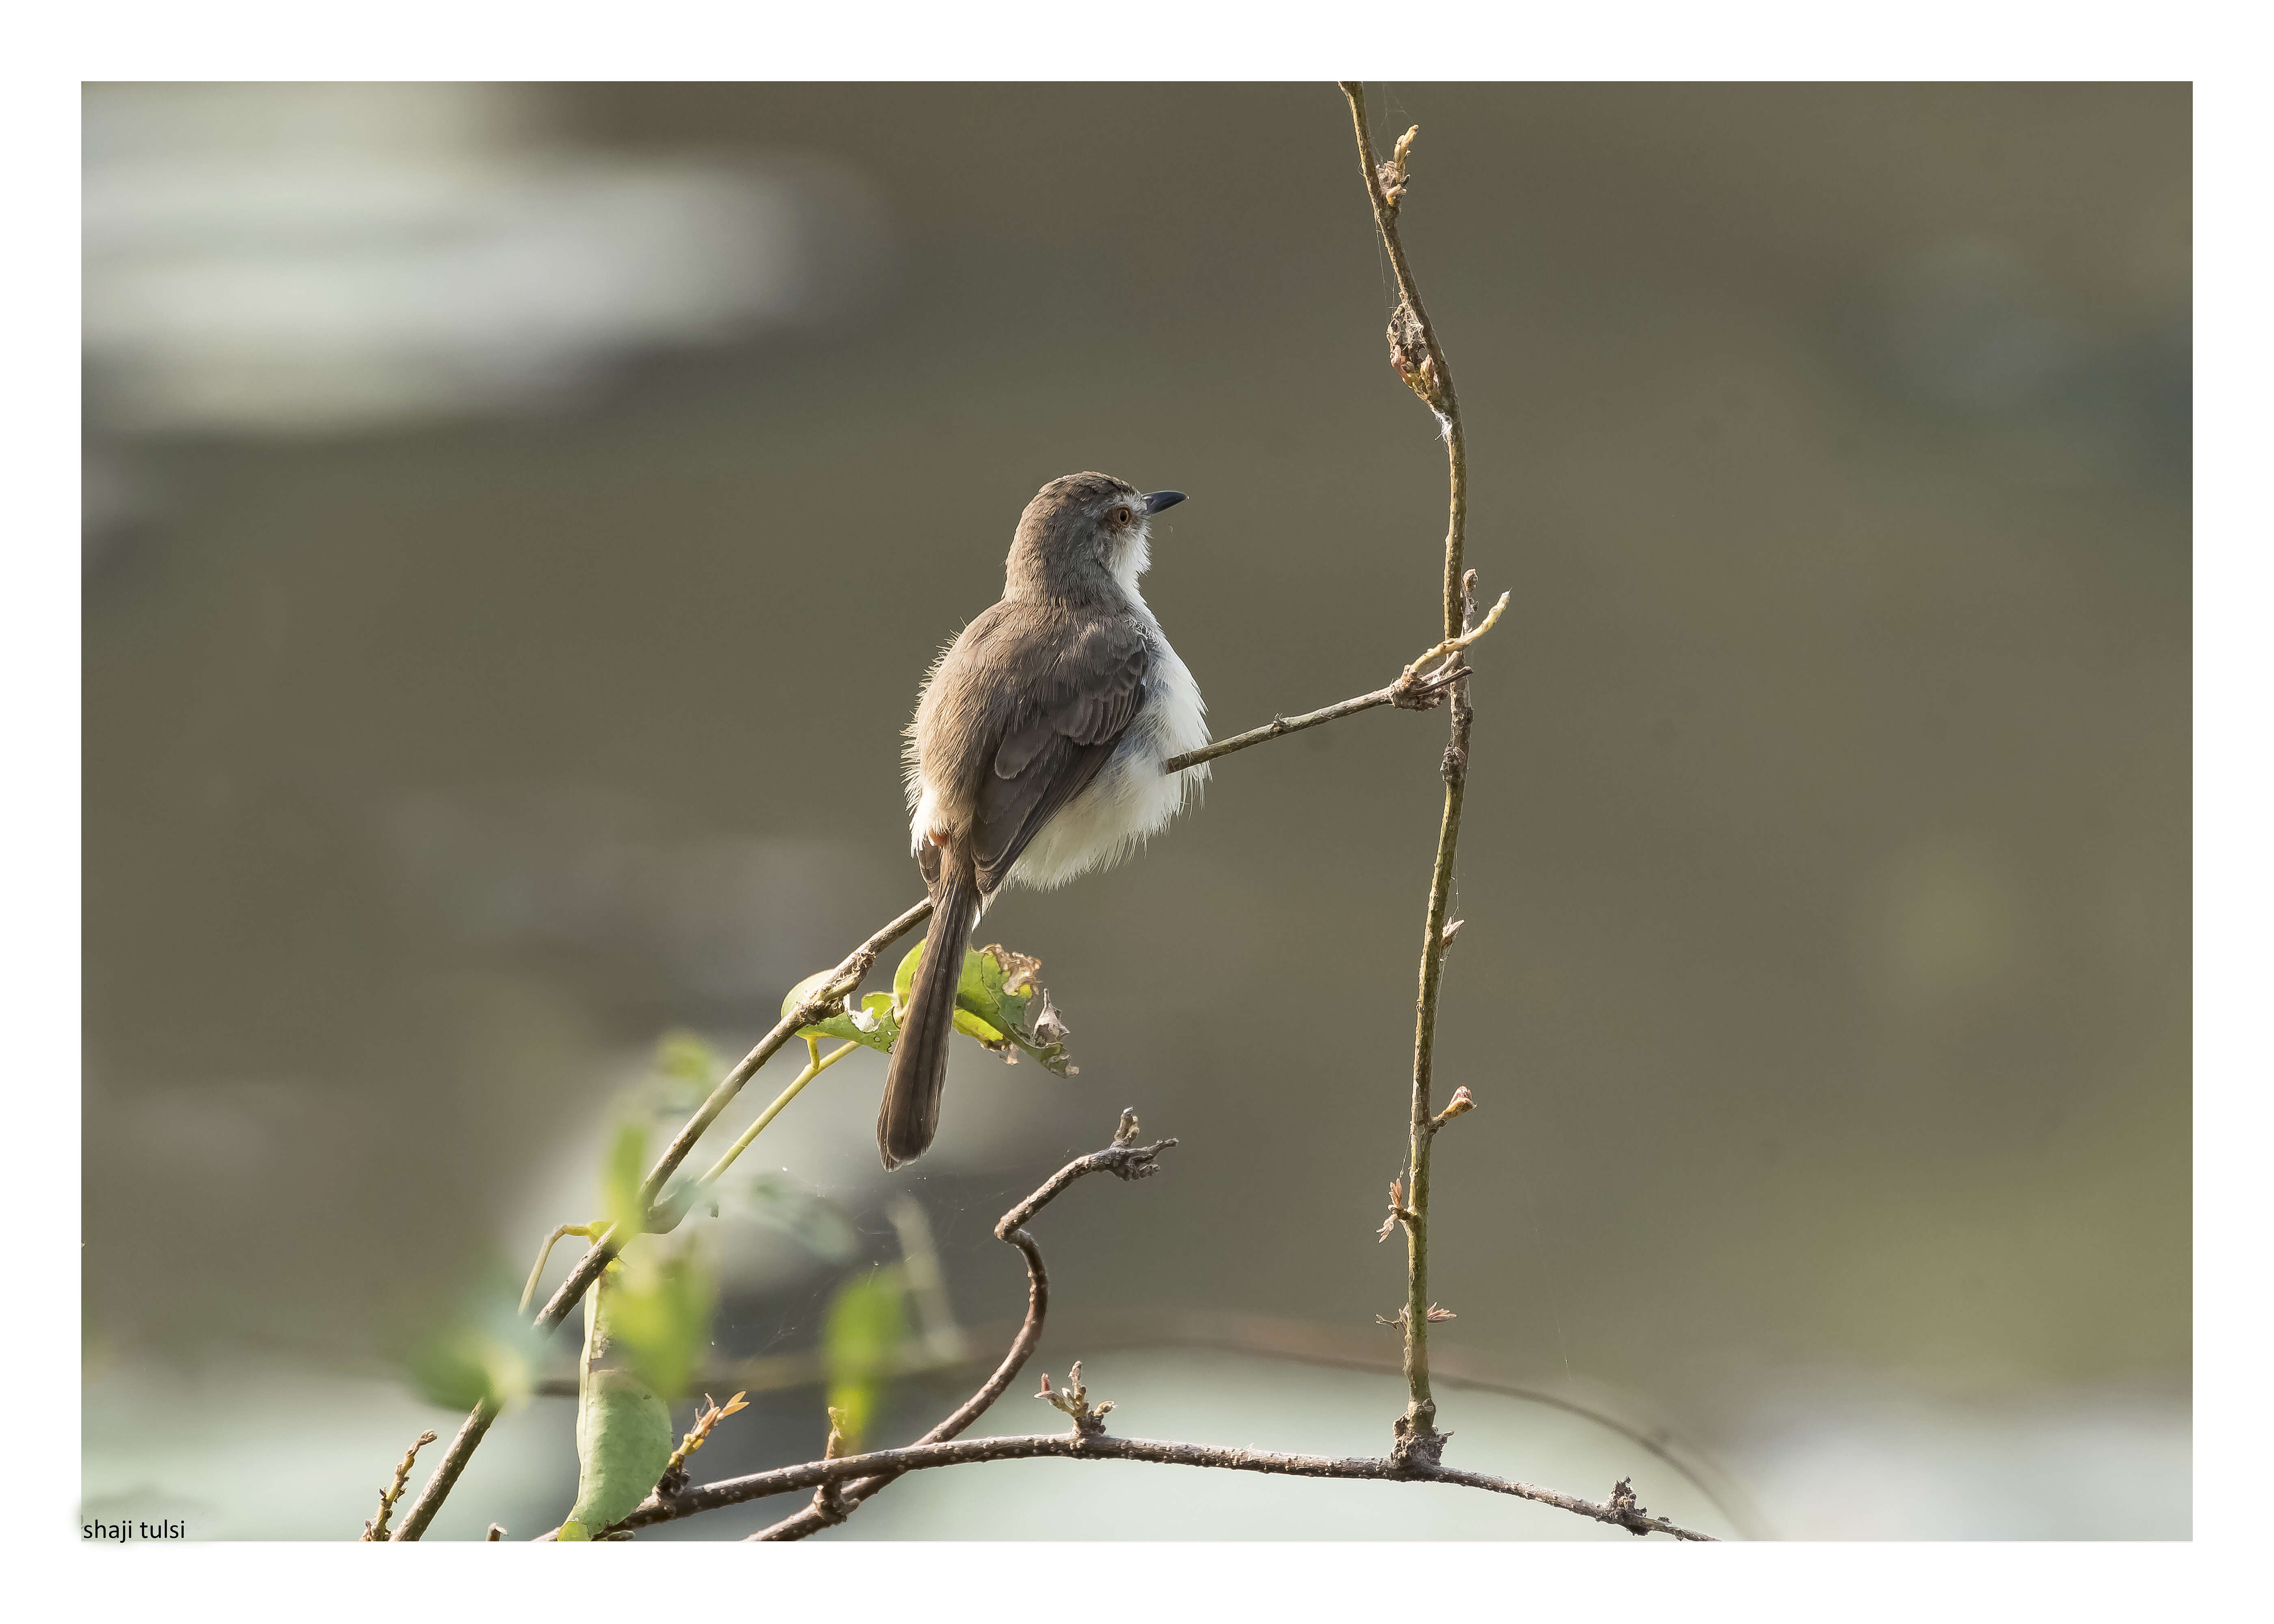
{"x": 1159, "y": 499}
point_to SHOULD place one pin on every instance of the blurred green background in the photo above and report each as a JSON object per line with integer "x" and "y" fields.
{"x": 518, "y": 520}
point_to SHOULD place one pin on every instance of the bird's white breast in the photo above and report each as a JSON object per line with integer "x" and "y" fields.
{"x": 1130, "y": 798}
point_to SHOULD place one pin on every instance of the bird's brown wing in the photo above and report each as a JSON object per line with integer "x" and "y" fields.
{"x": 1057, "y": 736}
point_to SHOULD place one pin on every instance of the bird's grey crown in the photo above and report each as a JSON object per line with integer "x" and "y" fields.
{"x": 1069, "y": 547}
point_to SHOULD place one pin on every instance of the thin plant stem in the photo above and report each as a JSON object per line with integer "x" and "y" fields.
{"x": 1420, "y": 361}
{"x": 543, "y": 1252}
{"x": 815, "y": 1067}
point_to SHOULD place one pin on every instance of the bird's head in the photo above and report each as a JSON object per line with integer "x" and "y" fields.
{"x": 1084, "y": 536}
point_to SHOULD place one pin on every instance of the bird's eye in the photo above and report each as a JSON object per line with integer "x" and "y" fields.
{"x": 1121, "y": 515}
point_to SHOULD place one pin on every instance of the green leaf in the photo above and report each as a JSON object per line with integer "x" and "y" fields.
{"x": 461, "y": 1364}
{"x": 813, "y": 1219}
{"x": 1000, "y": 1003}
{"x": 878, "y": 1026}
{"x": 466, "y": 1345}
{"x": 659, "y": 1317}
{"x": 683, "y": 1071}
{"x": 860, "y": 1341}
{"x": 684, "y": 1057}
{"x": 621, "y": 1177}
{"x": 623, "y": 1429}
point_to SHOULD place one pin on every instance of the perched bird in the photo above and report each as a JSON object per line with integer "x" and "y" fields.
{"x": 1036, "y": 751}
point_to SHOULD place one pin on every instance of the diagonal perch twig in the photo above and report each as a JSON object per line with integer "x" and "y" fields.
{"x": 1412, "y": 691}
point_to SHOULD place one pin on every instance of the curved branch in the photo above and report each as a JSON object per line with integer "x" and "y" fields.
{"x": 1125, "y": 1158}
{"x": 883, "y": 1465}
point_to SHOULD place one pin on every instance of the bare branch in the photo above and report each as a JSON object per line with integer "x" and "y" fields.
{"x": 1126, "y": 1159}
{"x": 1420, "y": 362}
{"x": 1414, "y": 350}
{"x": 1131, "y": 1327}
{"x": 449, "y": 1469}
{"x": 376, "y": 1529}
{"x": 1412, "y": 691}
{"x": 884, "y": 1464}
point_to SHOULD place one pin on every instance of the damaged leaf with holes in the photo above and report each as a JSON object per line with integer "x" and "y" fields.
{"x": 874, "y": 1021}
{"x": 1002, "y": 1003}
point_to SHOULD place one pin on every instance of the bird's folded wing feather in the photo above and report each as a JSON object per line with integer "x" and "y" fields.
{"x": 1056, "y": 737}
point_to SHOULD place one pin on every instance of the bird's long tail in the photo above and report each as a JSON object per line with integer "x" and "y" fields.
{"x": 910, "y": 1116}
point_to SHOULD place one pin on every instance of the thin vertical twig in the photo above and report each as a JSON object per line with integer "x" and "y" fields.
{"x": 1420, "y": 360}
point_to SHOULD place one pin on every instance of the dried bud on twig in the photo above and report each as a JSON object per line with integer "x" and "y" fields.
{"x": 1074, "y": 1400}
{"x": 1634, "y": 1518}
{"x": 1392, "y": 174}
{"x": 1409, "y": 355}
{"x": 1398, "y": 1211}
{"x": 674, "y": 1472}
{"x": 1460, "y": 1105}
